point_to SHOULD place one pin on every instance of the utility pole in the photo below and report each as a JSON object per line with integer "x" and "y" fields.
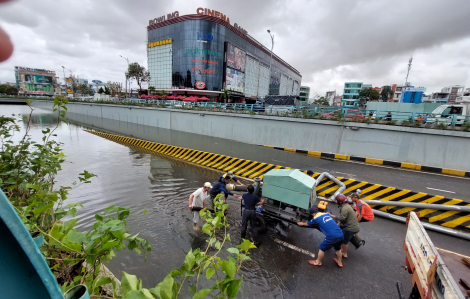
{"x": 270, "y": 61}
{"x": 128, "y": 70}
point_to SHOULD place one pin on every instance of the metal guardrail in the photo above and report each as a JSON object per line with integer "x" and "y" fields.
{"x": 341, "y": 114}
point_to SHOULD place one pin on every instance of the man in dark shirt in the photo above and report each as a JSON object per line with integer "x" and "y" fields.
{"x": 251, "y": 200}
{"x": 217, "y": 187}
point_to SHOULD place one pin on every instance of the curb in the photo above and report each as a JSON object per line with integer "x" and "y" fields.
{"x": 250, "y": 169}
{"x": 375, "y": 161}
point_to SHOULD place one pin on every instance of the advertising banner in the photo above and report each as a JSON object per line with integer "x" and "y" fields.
{"x": 37, "y": 79}
{"x": 235, "y": 80}
{"x": 235, "y": 58}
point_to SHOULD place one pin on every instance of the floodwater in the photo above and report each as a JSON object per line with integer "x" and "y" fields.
{"x": 162, "y": 185}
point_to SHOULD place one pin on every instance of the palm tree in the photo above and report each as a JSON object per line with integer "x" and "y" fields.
{"x": 225, "y": 94}
{"x": 151, "y": 89}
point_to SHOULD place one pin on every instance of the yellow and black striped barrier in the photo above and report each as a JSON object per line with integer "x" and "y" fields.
{"x": 375, "y": 161}
{"x": 250, "y": 169}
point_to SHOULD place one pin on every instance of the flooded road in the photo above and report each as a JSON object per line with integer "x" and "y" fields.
{"x": 129, "y": 177}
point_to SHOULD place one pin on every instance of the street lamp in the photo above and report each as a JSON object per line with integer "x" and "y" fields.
{"x": 127, "y": 70}
{"x": 272, "y": 47}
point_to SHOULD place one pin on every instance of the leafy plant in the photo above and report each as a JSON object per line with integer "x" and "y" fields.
{"x": 199, "y": 263}
{"x": 466, "y": 126}
{"x": 441, "y": 125}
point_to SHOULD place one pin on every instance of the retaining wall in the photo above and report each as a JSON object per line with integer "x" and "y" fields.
{"x": 436, "y": 148}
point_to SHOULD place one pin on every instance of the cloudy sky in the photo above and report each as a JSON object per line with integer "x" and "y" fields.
{"x": 329, "y": 42}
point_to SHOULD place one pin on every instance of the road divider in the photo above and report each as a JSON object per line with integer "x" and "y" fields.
{"x": 251, "y": 169}
{"x": 375, "y": 161}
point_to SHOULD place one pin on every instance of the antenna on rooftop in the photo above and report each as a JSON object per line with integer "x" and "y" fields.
{"x": 409, "y": 68}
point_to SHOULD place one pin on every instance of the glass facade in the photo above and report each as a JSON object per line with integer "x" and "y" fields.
{"x": 198, "y": 53}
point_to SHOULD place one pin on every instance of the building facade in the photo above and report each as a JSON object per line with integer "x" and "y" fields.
{"x": 34, "y": 82}
{"x": 304, "y": 93}
{"x": 205, "y": 52}
{"x": 351, "y": 94}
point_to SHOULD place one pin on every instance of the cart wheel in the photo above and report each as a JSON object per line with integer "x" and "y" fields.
{"x": 261, "y": 224}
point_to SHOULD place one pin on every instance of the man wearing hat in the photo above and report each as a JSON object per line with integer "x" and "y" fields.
{"x": 230, "y": 174}
{"x": 334, "y": 236}
{"x": 198, "y": 200}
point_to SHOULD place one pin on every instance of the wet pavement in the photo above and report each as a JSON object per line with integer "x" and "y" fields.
{"x": 128, "y": 177}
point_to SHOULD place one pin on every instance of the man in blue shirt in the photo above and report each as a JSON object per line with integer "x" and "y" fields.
{"x": 251, "y": 200}
{"x": 333, "y": 233}
{"x": 230, "y": 174}
{"x": 217, "y": 187}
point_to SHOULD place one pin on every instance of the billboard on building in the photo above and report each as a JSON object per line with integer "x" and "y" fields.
{"x": 37, "y": 79}
{"x": 236, "y": 58}
{"x": 235, "y": 80}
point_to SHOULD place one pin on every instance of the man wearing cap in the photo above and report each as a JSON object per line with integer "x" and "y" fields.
{"x": 230, "y": 174}
{"x": 198, "y": 200}
{"x": 334, "y": 236}
{"x": 217, "y": 187}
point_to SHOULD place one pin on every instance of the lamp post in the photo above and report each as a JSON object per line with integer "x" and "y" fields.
{"x": 128, "y": 70}
{"x": 272, "y": 47}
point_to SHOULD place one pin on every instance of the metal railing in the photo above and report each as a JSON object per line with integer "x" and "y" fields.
{"x": 340, "y": 114}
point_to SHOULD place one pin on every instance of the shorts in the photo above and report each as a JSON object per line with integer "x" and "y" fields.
{"x": 347, "y": 235}
{"x": 328, "y": 243}
{"x": 196, "y": 216}
{"x": 364, "y": 220}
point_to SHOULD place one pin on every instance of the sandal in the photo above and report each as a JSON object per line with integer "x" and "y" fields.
{"x": 337, "y": 263}
{"x": 314, "y": 263}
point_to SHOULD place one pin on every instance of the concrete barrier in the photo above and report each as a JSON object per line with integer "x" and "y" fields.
{"x": 430, "y": 147}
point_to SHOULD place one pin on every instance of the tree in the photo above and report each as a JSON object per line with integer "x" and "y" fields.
{"x": 322, "y": 101}
{"x": 225, "y": 94}
{"x": 101, "y": 90}
{"x": 386, "y": 94}
{"x": 151, "y": 89}
{"x": 139, "y": 73}
{"x": 368, "y": 94}
{"x": 84, "y": 89}
{"x": 8, "y": 89}
{"x": 106, "y": 90}
{"x": 116, "y": 88}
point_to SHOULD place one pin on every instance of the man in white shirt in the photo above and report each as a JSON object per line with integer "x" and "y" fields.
{"x": 198, "y": 200}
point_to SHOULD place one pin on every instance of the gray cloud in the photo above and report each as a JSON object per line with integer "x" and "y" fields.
{"x": 329, "y": 42}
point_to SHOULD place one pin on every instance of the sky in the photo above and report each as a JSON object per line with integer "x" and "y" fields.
{"x": 329, "y": 41}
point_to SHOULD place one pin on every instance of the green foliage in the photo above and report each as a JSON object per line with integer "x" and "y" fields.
{"x": 106, "y": 90}
{"x": 28, "y": 172}
{"x": 101, "y": 90}
{"x": 226, "y": 94}
{"x": 322, "y": 101}
{"x": 8, "y": 89}
{"x": 466, "y": 126}
{"x": 222, "y": 273}
{"x": 138, "y": 73}
{"x": 386, "y": 94}
{"x": 441, "y": 125}
{"x": 368, "y": 94}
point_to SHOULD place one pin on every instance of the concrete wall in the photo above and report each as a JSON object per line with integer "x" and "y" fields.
{"x": 403, "y": 107}
{"x": 445, "y": 149}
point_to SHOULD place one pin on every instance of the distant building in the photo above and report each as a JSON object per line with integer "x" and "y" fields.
{"x": 31, "y": 81}
{"x": 351, "y": 94}
{"x": 304, "y": 93}
{"x": 448, "y": 94}
{"x": 412, "y": 94}
{"x": 337, "y": 101}
{"x": 397, "y": 90}
{"x": 365, "y": 86}
{"x": 330, "y": 96}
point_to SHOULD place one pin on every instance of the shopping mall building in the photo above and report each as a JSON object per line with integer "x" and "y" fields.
{"x": 34, "y": 82}
{"x": 204, "y": 53}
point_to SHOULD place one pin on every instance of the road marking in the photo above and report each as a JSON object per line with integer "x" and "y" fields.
{"x": 295, "y": 248}
{"x": 279, "y": 161}
{"x": 440, "y": 190}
